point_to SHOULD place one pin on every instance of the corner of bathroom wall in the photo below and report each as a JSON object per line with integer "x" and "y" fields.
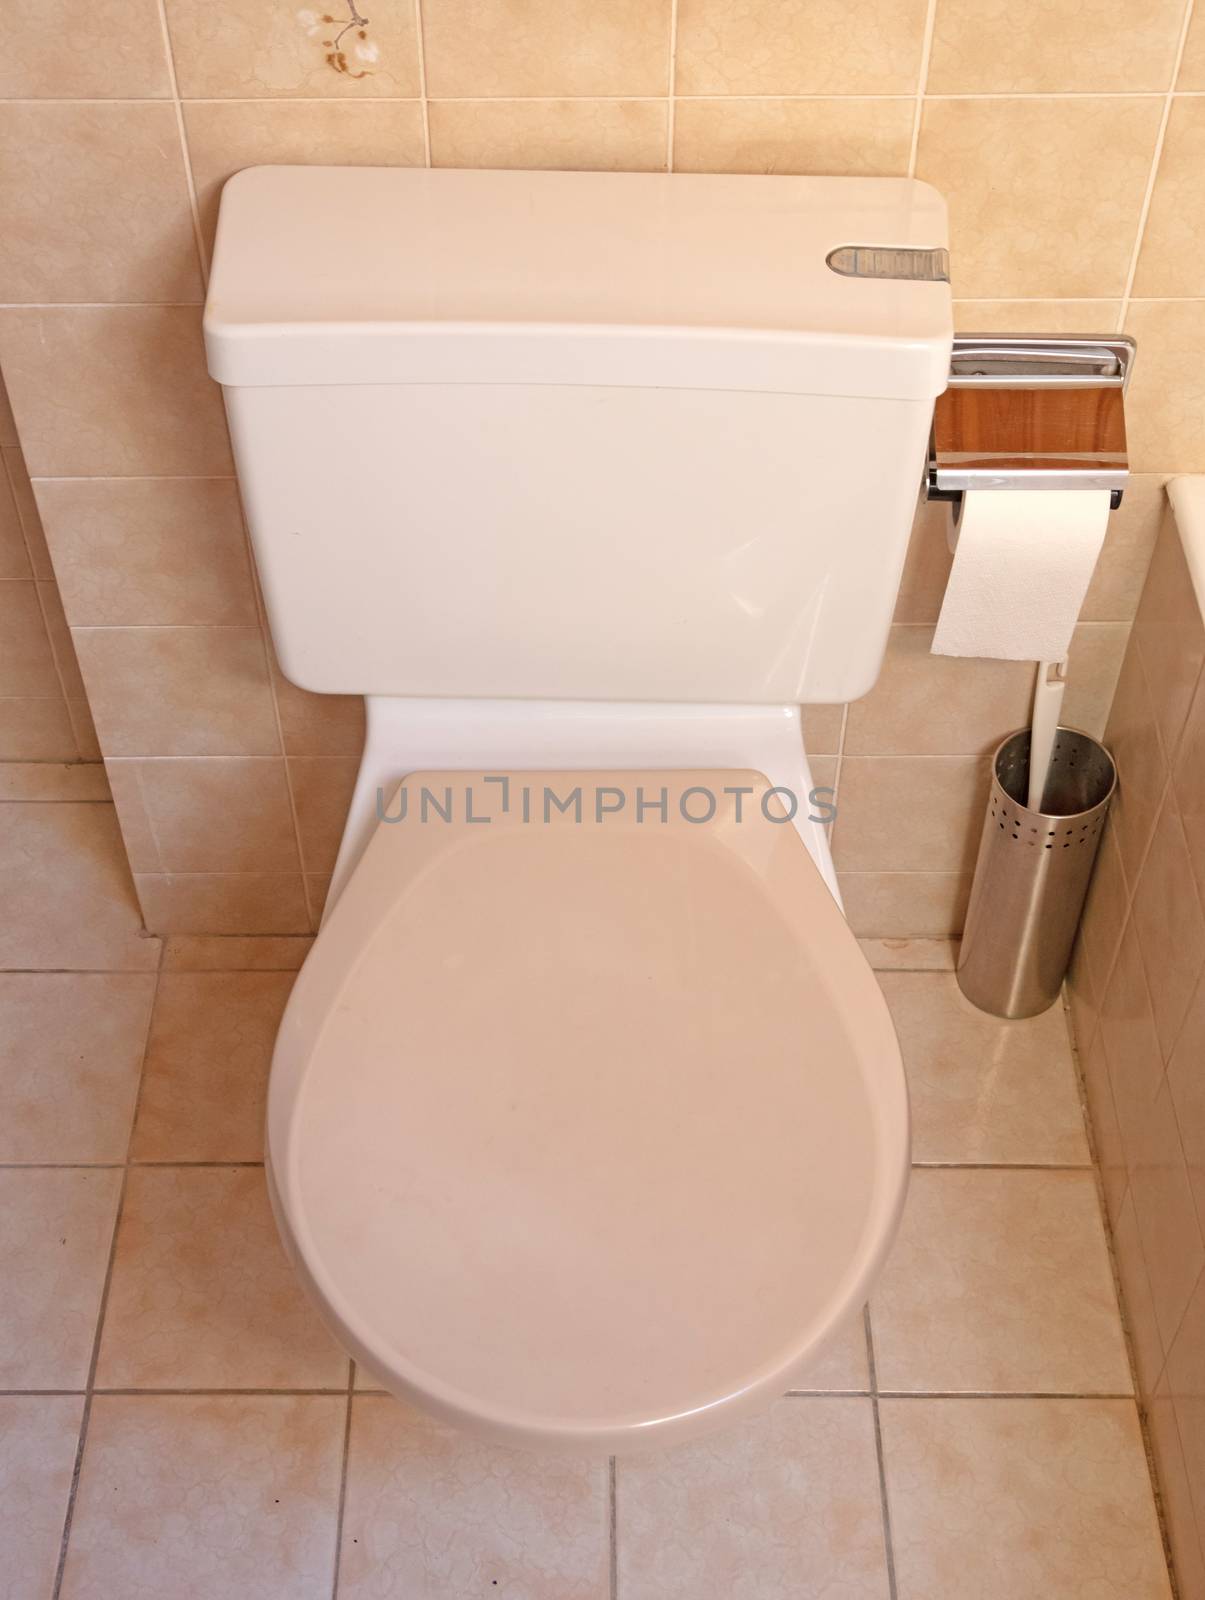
{"x": 1137, "y": 992}
{"x": 43, "y": 712}
{"x": 1072, "y": 167}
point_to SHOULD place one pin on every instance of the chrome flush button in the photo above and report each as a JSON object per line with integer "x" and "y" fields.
{"x": 877, "y": 261}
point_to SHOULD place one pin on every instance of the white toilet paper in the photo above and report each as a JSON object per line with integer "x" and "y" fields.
{"x": 1022, "y": 564}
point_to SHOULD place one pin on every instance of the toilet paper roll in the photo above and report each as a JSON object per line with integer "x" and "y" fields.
{"x": 1022, "y": 565}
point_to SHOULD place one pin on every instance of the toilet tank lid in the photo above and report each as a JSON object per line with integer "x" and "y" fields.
{"x": 349, "y": 275}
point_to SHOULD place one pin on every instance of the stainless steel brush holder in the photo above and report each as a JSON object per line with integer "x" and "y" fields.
{"x": 1032, "y": 874}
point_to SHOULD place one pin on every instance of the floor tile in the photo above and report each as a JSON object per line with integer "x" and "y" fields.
{"x": 55, "y": 1230}
{"x": 206, "y": 1076}
{"x": 999, "y": 1281}
{"x": 53, "y": 780}
{"x": 842, "y": 1364}
{"x": 1134, "y": 1286}
{"x": 38, "y": 1435}
{"x": 205, "y": 952}
{"x": 433, "y": 1512}
{"x": 202, "y": 1296}
{"x": 983, "y": 1089}
{"x": 910, "y": 955}
{"x": 207, "y": 1498}
{"x": 1008, "y": 1499}
{"x": 70, "y": 1056}
{"x": 1176, "y": 1492}
{"x": 786, "y": 1504}
{"x": 66, "y": 890}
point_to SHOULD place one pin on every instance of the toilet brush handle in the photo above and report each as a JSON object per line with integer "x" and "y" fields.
{"x": 1047, "y": 704}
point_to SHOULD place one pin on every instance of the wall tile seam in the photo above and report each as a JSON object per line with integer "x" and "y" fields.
{"x": 1127, "y": 908}
{"x": 165, "y": 760}
{"x": 1156, "y": 158}
{"x": 62, "y": 698}
{"x": 1171, "y": 795}
{"x": 1164, "y": 1059}
{"x": 203, "y": 266}
{"x": 283, "y": 873}
{"x": 1171, "y": 755}
{"x": 9, "y": 484}
{"x": 182, "y": 136}
{"x": 157, "y": 627}
{"x": 422, "y": 97}
{"x": 922, "y": 84}
{"x": 147, "y": 818}
{"x": 1153, "y": 93}
{"x": 59, "y": 667}
{"x": 670, "y": 115}
{"x": 1110, "y": 1235}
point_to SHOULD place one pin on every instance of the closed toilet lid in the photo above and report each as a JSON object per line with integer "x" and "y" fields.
{"x": 587, "y": 1129}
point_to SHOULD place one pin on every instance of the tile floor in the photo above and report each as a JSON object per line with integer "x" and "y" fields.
{"x": 175, "y": 1422}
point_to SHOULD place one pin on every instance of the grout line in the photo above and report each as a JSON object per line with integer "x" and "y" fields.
{"x": 422, "y": 80}
{"x": 219, "y": 1166}
{"x": 1153, "y": 174}
{"x": 922, "y": 79}
{"x": 673, "y": 86}
{"x": 1002, "y": 1166}
{"x": 90, "y": 1381}
{"x": 917, "y": 1166}
{"x": 133, "y": 477}
{"x": 1034, "y": 300}
{"x": 612, "y": 1529}
{"x": 190, "y": 182}
{"x": 62, "y": 695}
{"x": 164, "y": 1394}
{"x": 39, "y": 1393}
{"x": 1004, "y": 1394}
{"x": 115, "y": 1391}
{"x": 827, "y": 1394}
{"x": 351, "y": 1392}
{"x": 490, "y": 99}
{"x": 61, "y": 1166}
{"x": 37, "y": 582}
{"x": 1123, "y": 1317}
{"x": 148, "y": 819}
{"x": 884, "y": 1503}
{"x": 101, "y": 305}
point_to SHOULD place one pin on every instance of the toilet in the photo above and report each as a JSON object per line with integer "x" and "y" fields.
{"x": 587, "y": 1125}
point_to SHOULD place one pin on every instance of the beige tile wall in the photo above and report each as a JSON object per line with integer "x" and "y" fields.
{"x": 1138, "y": 1004}
{"x": 1070, "y": 152}
{"x": 43, "y": 710}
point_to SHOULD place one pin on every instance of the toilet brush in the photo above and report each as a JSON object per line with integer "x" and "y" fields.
{"x": 1044, "y": 725}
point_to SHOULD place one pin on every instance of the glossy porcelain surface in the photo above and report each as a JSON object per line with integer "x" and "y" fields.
{"x": 408, "y": 735}
{"x": 576, "y": 435}
{"x": 587, "y": 1134}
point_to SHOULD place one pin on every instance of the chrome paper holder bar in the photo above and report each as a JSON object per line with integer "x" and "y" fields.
{"x": 1011, "y": 361}
{"x": 1027, "y": 411}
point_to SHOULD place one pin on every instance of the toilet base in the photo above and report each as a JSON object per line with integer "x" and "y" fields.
{"x": 412, "y": 735}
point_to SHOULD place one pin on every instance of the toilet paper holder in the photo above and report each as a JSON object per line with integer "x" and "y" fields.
{"x": 1023, "y": 411}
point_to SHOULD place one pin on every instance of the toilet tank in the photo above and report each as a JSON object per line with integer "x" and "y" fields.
{"x": 590, "y": 436}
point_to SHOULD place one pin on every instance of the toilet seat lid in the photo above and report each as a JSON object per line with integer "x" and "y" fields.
{"x": 587, "y": 1133}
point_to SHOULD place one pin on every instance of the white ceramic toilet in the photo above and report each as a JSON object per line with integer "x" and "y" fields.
{"x": 587, "y": 1124}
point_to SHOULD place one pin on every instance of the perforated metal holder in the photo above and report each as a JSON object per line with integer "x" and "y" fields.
{"x": 1032, "y": 874}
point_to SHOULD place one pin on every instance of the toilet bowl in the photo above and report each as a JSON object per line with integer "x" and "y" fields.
{"x": 587, "y": 1123}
